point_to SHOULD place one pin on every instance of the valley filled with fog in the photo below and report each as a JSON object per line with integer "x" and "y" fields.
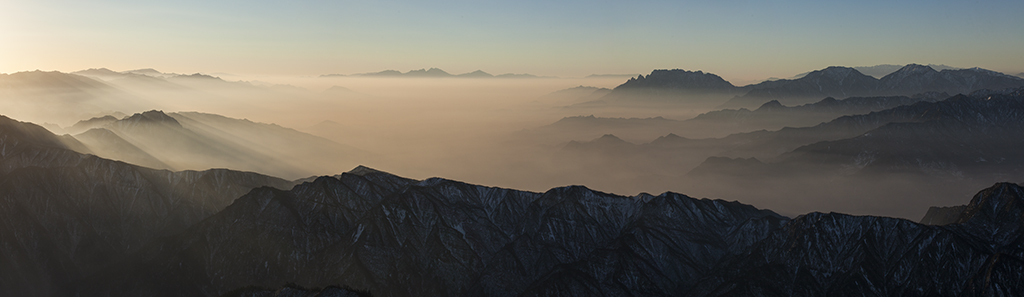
{"x": 672, "y": 130}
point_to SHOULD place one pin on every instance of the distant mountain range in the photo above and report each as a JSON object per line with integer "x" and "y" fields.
{"x": 963, "y": 137}
{"x": 770, "y": 116}
{"x": 435, "y": 72}
{"x": 962, "y": 141}
{"x": 698, "y": 89}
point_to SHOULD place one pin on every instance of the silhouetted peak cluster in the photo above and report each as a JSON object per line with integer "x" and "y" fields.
{"x": 678, "y": 79}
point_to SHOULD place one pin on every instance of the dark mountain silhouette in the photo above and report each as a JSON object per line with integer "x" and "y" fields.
{"x": 676, "y": 86}
{"x": 822, "y": 254}
{"x": 720, "y": 123}
{"x": 377, "y": 232}
{"x": 65, "y": 215}
{"x": 878, "y": 71}
{"x": 835, "y": 81}
{"x": 843, "y": 82}
{"x": 946, "y": 146}
{"x": 432, "y": 72}
{"x": 960, "y": 137}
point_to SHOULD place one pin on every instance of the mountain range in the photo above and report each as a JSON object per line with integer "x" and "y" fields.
{"x": 436, "y": 72}
{"x": 79, "y": 225}
{"x": 699, "y": 89}
{"x": 719, "y": 123}
{"x": 391, "y": 236}
{"x": 956, "y": 143}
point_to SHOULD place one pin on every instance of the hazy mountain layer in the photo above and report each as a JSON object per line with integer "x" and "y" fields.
{"x": 192, "y": 140}
{"x": 770, "y": 116}
{"x": 960, "y": 143}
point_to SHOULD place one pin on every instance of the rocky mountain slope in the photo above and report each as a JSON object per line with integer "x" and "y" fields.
{"x": 398, "y": 237}
{"x": 66, "y": 215}
{"x": 822, "y": 254}
{"x": 391, "y": 236}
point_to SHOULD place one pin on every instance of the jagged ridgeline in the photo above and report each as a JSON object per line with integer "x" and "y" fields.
{"x": 706, "y": 90}
{"x": 392, "y": 236}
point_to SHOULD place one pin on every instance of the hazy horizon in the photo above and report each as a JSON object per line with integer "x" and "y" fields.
{"x": 743, "y": 42}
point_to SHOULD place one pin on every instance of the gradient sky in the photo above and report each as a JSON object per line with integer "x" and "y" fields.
{"x": 739, "y": 40}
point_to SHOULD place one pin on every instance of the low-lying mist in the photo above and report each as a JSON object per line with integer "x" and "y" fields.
{"x": 476, "y": 130}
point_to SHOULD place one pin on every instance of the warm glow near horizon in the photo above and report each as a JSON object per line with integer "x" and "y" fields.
{"x": 741, "y": 41}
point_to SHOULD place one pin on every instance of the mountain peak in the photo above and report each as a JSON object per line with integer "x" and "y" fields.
{"x": 834, "y": 72}
{"x": 363, "y": 170}
{"x": 996, "y": 214}
{"x": 1002, "y": 200}
{"x": 428, "y": 72}
{"x": 678, "y": 79}
{"x": 771, "y": 105}
{"x": 915, "y": 68}
{"x": 478, "y": 73}
{"x": 608, "y": 138}
{"x": 152, "y": 116}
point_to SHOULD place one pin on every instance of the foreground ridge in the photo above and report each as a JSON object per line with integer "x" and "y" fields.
{"x": 391, "y": 236}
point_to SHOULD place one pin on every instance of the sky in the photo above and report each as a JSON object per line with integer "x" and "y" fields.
{"x": 741, "y": 41}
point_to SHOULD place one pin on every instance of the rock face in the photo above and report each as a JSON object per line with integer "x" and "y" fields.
{"x": 65, "y": 215}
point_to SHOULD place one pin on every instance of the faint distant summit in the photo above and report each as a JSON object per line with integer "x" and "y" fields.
{"x": 436, "y": 73}
{"x": 612, "y": 75}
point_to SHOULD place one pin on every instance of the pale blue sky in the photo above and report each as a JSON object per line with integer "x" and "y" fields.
{"x": 740, "y": 40}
